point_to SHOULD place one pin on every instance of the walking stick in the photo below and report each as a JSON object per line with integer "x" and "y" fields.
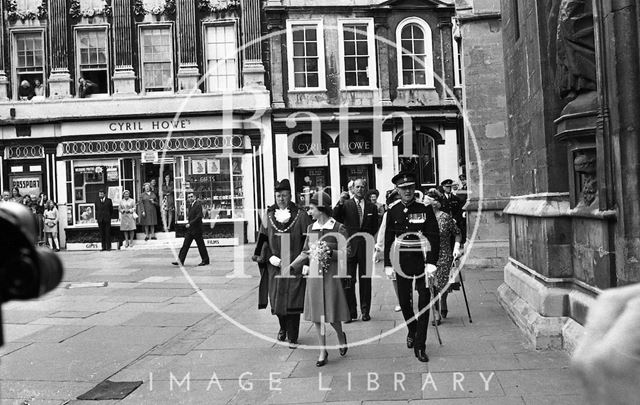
{"x": 433, "y": 312}
{"x": 464, "y": 293}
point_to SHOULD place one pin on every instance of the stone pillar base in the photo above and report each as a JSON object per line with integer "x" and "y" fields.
{"x": 544, "y": 313}
{"x": 490, "y": 248}
{"x": 188, "y": 77}
{"x": 124, "y": 82}
{"x": 253, "y": 74}
{"x": 59, "y": 85}
{"x": 4, "y": 86}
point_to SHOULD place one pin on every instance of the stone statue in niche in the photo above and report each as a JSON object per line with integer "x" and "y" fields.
{"x": 576, "y": 59}
{"x": 585, "y": 165}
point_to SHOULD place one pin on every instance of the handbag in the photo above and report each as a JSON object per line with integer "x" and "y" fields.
{"x": 135, "y": 216}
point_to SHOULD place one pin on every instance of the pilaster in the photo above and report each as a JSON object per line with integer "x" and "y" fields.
{"x": 124, "y": 77}
{"x": 253, "y": 71}
{"x": 188, "y": 72}
{"x": 60, "y": 78}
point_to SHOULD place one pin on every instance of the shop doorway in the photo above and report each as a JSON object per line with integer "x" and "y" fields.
{"x": 151, "y": 173}
{"x": 353, "y": 172}
{"x": 310, "y": 180}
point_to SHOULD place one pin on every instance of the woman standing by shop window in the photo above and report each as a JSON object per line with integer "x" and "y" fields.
{"x": 50, "y": 216}
{"x": 41, "y": 205}
{"x": 168, "y": 206}
{"x": 128, "y": 217}
{"x": 15, "y": 195}
{"x": 148, "y": 215}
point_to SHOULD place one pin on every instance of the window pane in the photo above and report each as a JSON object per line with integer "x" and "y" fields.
{"x": 350, "y": 79}
{"x": 157, "y": 55}
{"x": 313, "y": 80}
{"x": 349, "y": 48}
{"x": 312, "y": 65}
{"x": 300, "y": 80}
{"x": 305, "y": 55}
{"x": 312, "y": 49}
{"x": 221, "y": 57}
{"x": 350, "y": 64}
{"x": 298, "y": 65}
{"x": 29, "y": 51}
{"x": 363, "y": 79}
{"x": 311, "y": 34}
{"x": 298, "y": 49}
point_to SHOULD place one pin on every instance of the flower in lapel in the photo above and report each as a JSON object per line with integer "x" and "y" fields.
{"x": 282, "y": 216}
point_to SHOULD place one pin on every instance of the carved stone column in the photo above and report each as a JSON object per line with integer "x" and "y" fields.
{"x": 188, "y": 72}
{"x": 60, "y": 78}
{"x": 4, "y": 81}
{"x": 253, "y": 69}
{"x": 124, "y": 77}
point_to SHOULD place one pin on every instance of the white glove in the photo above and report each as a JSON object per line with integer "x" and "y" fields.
{"x": 430, "y": 269}
{"x": 389, "y": 272}
{"x": 377, "y": 255}
{"x": 305, "y": 270}
{"x": 275, "y": 261}
{"x": 457, "y": 252}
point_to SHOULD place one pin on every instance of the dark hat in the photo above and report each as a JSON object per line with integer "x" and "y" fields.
{"x": 447, "y": 182}
{"x": 322, "y": 200}
{"x": 283, "y": 185}
{"x": 404, "y": 179}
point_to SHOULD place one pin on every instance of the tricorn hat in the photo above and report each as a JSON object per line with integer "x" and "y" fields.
{"x": 283, "y": 185}
{"x": 404, "y": 179}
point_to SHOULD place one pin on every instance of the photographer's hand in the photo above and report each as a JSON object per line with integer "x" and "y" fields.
{"x": 608, "y": 357}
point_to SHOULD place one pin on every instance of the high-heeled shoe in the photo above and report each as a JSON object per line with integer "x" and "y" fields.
{"x": 445, "y": 313}
{"x": 322, "y": 362}
{"x": 345, "y": 347}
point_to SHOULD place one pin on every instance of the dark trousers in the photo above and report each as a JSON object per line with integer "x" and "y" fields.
{"x": 202, "y": 249}
{"x": 104, "y": 226}
{"x": 290, "y": 323}
{"x": 418, "y": 328}
{"x": 357, "y": 269}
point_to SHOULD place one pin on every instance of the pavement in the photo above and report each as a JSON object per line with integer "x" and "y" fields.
{"x": 149, "y": 324}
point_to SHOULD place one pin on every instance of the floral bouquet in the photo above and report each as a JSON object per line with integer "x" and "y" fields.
{"x": 321, "y": 253}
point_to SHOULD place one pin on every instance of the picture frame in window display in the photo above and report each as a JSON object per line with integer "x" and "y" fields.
{"x": 86, "y": 213}
{"x": 213, "y": 166}
{"x": 115, "y": 194}
{"x": 94, "y": 177}
{"x": 79, "y": 194}
{"x": 199, "y": 166}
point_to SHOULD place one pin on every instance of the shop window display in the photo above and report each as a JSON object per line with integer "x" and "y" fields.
{"x": 216, "y": 180}
{"x": 88, "y": 179}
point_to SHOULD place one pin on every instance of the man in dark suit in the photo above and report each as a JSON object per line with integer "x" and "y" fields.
{"x": 359, "y": 215}
{"x": 104, "y": 208}
{"x": 194, "y": 232}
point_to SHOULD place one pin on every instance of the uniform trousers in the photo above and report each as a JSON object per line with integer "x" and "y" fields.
{"x": 291, "y": 324}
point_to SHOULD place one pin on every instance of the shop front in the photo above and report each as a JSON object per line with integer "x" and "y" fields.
{"x": 340, "y": 152}
{"x": 216, "y": 167}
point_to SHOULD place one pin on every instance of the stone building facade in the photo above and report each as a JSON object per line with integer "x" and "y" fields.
{"x": 572, "y": 106}
{"x": 172, "y": 87}
{"x": 487, "y": 146}
{"x": 348, "y": 101}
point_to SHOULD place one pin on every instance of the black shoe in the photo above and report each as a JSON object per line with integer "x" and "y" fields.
{"x": 282, "y": 335}
{"x": 437, "y": 321}
{"x": 176, "y": 263}
{"x": 421, "y": 355}
{"x": 366, "y": 318}
{"x": 203, "y": 264}
{"x": 445, "y": 313}
{"x": 322, "y": 362}
{"x": 343, "y": 349}
{"x": 349, "y": 321}
{"x": 410, "y": 341}
{"x": 293, "y": 344}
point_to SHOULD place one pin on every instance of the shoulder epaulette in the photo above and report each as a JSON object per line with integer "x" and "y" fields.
{"x": 393, "y": 204}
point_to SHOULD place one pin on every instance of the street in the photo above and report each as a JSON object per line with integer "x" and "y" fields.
{"x": 149, "y": 325}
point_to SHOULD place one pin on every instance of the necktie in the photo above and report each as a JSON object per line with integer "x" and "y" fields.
{"x": 360, "y": 214}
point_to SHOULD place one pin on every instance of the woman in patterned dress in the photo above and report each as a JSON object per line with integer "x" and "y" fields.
{"x": 449, "y": 232}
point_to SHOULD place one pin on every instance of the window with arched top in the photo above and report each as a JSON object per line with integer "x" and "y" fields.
{"x": 415, "y": 53}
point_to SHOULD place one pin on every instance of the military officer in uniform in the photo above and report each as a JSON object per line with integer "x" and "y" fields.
{"x": 411, "y": 248}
